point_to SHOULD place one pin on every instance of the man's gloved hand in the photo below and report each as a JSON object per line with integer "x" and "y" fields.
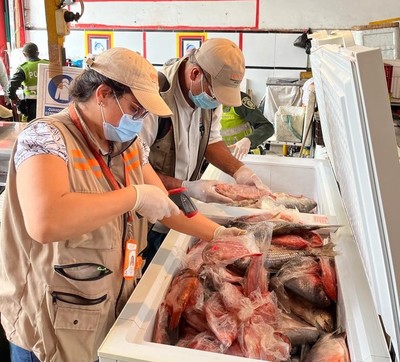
{"x": 245, "y": 176}
{"x": 153, "y": 204}
{"x": 223, "y": 231}
{"x": 204, "y": 190}
{"x": 241, "y": 148}
{"x": 7, "y": 100}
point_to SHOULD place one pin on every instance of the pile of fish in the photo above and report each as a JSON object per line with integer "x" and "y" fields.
{"x": 269, "y": 295}
{"x": 250, "y": 196}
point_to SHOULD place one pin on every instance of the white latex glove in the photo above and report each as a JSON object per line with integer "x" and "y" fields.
{"x": 241, "y": 148}
{"x": 223, "y": 231}
{"x": 204, "y": 190}
{"x": 7, "y": 100}
{"x": 153, "y": 204}
{"x": 245, "y": 176}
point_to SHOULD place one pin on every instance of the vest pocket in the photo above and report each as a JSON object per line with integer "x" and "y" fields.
{"x": 75, "y": 324}
{"x": 75, "y": 331}
{"x": 83, "y": 271}
{"x": 162, "y": 157}
{"x": 76, "y": 299}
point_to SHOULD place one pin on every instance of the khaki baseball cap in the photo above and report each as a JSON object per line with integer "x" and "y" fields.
{"x": 224, "y": 61}
{"x": 131, "y": 69}
{"x": 5, "y": 112}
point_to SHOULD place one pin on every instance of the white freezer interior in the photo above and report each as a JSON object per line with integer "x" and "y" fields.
{"x": 130, "y": 337}
{"x": 358, "y": 131}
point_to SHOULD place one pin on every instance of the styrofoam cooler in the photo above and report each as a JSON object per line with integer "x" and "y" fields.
{"x": 130, "y": 338}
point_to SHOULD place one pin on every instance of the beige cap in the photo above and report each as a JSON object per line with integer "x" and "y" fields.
{"x": 131, "y": 69}
{"x": 224, "y": 61}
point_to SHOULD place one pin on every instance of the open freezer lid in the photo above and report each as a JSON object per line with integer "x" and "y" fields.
{"x": 358, "y": 131}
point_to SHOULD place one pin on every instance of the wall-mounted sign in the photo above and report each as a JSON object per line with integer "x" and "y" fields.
{"x": 53, "y": 88}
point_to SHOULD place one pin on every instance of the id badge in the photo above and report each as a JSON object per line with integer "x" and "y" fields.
{"x": 130, "y": 259}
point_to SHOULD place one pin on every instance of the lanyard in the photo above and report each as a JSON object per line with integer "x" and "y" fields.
{"x": 104, "y": 168}
{"x": 132, "y": 261}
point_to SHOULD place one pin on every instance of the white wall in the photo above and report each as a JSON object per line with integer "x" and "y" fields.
{"x": 324, "y": 14}
{"x": 272, "y": 14}
{"x": 259, "y": 26}
{"x": 267, "y": 54}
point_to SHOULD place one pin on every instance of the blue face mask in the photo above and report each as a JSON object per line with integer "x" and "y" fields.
{"x": 203, "y": 100}
{"x": 127, "y": 129}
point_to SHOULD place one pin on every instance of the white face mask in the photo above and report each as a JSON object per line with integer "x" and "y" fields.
{"x": 127, "y": 129}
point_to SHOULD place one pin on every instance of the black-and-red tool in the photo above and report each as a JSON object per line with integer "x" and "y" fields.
{"x": 181, "y": 198}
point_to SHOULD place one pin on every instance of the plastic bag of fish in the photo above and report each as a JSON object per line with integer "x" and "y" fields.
{"x": 269, "y": 295}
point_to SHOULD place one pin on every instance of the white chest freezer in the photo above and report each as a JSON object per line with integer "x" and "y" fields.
{"x": 358, "y": 186}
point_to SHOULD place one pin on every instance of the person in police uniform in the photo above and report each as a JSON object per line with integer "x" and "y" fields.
{"x": 244, "y": 127}
{"x": 26, "y": 75}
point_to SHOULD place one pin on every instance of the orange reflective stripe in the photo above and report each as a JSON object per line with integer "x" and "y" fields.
{"x": 131, "y": 158}
{"x": 77, "y": 153}
{"x": 81, "y": 166}
{"x": 133, "y": 165}
{"x": 131, "y": 153}
{"x": 85, "y": 164}
{"x": 80, "y": 162}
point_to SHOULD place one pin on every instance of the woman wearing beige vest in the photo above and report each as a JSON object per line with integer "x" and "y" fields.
{"x": 79, "y": 195}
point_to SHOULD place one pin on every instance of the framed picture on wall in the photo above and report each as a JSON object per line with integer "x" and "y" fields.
{"x": 188, "y": 41}
{"x": 98, "y": 41}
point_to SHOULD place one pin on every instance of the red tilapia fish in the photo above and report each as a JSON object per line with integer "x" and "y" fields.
{"x": 328, "y": 277}
{"x": 226, "y": 251}
{"x": 302, "y": 241}
{"x": 183, "y": 286}
{"x": 234, "y": 295}
{"x": 223, "y": 324}
{"x": 160, "y": 333}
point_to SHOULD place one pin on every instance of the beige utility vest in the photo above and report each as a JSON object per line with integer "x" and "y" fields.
{"x": 162, "y": 151}
{"x": 64, "y": 316}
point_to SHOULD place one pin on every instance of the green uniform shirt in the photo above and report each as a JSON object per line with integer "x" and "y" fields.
{"x": 30, "y": 69}
{"x": 245, "y": 121}
{"x": 26, "y": 75}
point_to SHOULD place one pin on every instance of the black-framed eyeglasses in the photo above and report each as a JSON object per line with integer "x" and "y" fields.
{"x": 140, "y": 111}
{"x": 206, "y": 75}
